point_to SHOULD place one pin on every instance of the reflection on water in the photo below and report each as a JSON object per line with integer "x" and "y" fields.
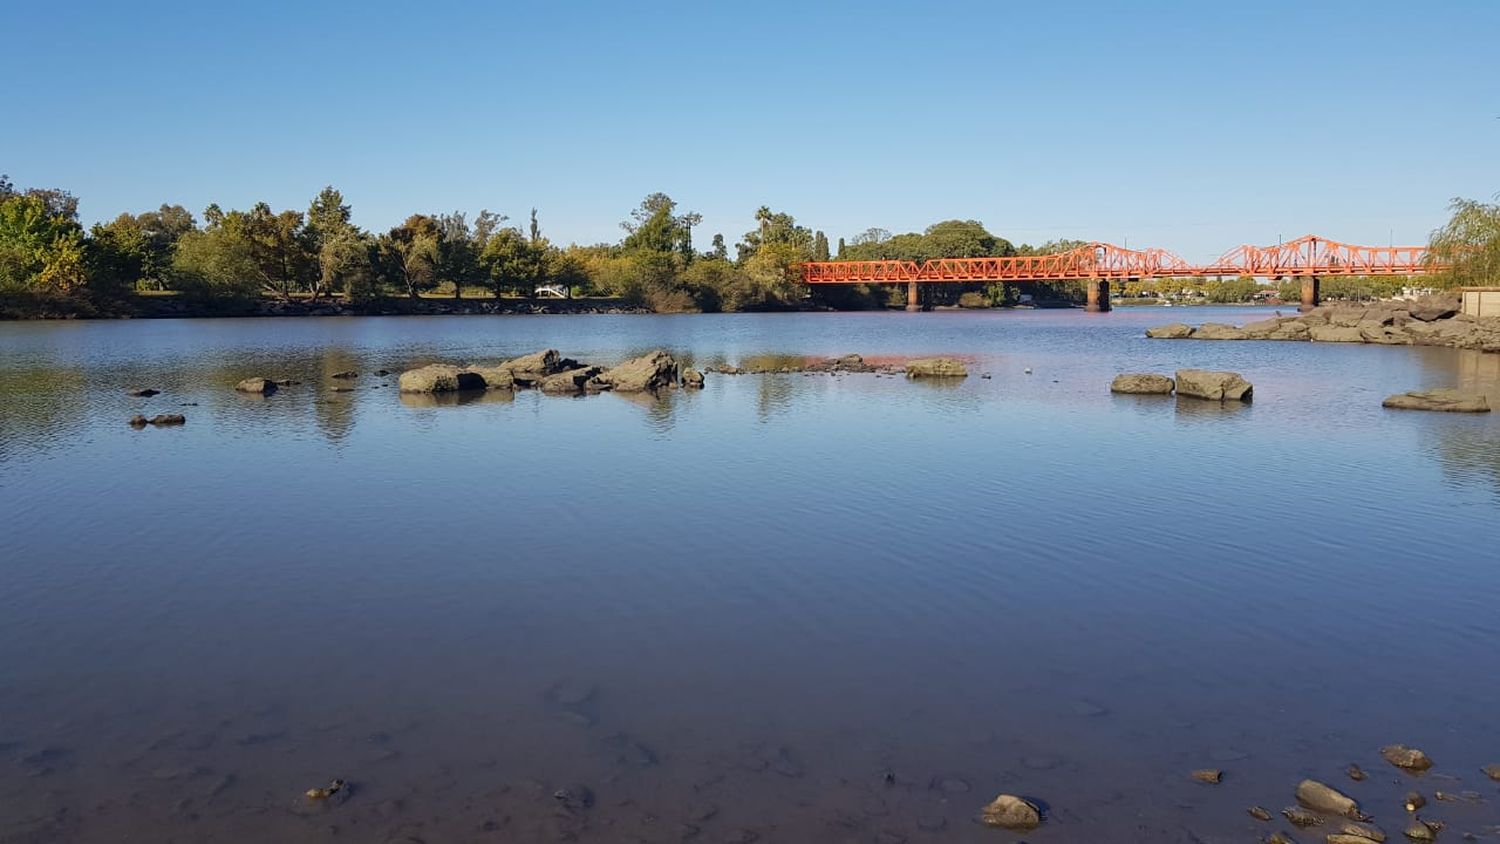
{"x": 784, "y": 608}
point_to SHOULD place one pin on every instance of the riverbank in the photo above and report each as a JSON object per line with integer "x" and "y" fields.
{"x": 1434, "y": 321}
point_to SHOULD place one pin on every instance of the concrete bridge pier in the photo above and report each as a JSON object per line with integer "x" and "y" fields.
{"x": 913, "y": 300}
{"x": 1310, "y": 298}
{"x": 1098, "y": 292}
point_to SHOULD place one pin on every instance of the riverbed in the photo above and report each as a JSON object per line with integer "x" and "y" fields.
{"x": 783, "y": 608}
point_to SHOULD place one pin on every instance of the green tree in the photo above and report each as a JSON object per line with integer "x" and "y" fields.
{"x": 41, "y": 244}
{"x": 336, "y": 242}
{"x": 409, "y": 255}
{"x": 820, "y": 247}
{"x": 1469, "y": 243}
{"x": 512, "y": 263}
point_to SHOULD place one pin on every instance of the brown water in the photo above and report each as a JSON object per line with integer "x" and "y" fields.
{"x": 786, "y": 608}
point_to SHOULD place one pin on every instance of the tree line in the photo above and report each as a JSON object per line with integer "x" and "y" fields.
{"x": 47, "y": 256}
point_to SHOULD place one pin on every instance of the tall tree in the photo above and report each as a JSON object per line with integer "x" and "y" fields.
{"x": 1469, "y": 243}
{"x": 409, "y": 254}
{"x": 333, "y": 239}
{"x": 820, "y": 247}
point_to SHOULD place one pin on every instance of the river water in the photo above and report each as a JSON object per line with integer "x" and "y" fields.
{"x": 784, "y": 608}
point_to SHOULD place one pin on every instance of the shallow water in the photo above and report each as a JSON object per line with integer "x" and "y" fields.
{"x": 785, "y": 608}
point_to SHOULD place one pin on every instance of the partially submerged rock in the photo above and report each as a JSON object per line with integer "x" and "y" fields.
{"x": 650, "y": 372}
{"x": 262, "y": 386}
{"x": 1445, "y": 399}
{"x": 1327, "y": 799}
{"x": 1357, "y": 833}
{"x": 531, "y": 368}
{"x": 1418, "y": 831}
{"x": 1355, "y": 773}
{"x": 1218, "y": 331}
{"x": 936, "y": 368}
{"x": 345, "y": 375}
{"x": 1492, "y": 771}
{"x": 1141, "y": 383}
{"x": 1172, "y": 331}
{"x": 568, "y": 381}
{"x": 1212, "y": 385}
{"x": 327, "y": 791}
{"x": 1301, "y": 817}
{"x": 144, "y": 393}
{"x": 1413, "y": 801}
{"x": 692, "y": 379}
{"x": 1259, "y": 813}
{"x": 159, "y": 420}
{"x": 1010, "y": 812}
{"x": 1408, "y": 758}
{"x": 1209, "y": 775}
{"x": 439, "y": 378}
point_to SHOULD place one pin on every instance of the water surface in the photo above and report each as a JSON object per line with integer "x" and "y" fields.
{"x": 784, "y": 608}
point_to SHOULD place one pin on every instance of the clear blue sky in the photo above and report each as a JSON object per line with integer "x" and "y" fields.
{"x": 1194, "y": 126}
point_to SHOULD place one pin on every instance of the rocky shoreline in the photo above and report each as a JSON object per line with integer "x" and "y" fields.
{"x": 1435, "y": 321}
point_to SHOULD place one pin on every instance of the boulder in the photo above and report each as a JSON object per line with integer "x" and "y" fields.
{"x": 1141, "y": 383}
{"x": 653, "y": 371}
{"x": 1408, "y": 758}
{"x": 1418, "y": 831}
{"x": 494, "y": 377}
{"x": 1335, "y": 334}
{"x": 439, "y": 378}
{"x": 168, "y": 419}
{"x": 1010, "y": 812}
{"x": 1262, "y": 329}
{"x": 1327, "y": 799}
{"x": 262, "y": 386}
{"x": 529, "y": 369}
{"x": 1172, "y": 331}
{"x": 1359, "y": 833}
{"x": 692, "y": 379}
{"x": 1433, "y": 308}
{"x": 1443, "y": 399}
{"x": 571, "y": 381}
{"x": 1211, "y": 385}
{"x": 936, "y": 368}
{"x": 1218, "y": 331}
{"x": 1292, "y": 329}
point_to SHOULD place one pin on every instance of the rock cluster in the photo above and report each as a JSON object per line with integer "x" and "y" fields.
{"x": 1434, "y": 321}
{"x": 550, "y": 372}
{"x": 159, "y": 420}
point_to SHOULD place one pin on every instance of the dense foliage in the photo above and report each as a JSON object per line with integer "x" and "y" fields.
{"x": 48, "y": 262}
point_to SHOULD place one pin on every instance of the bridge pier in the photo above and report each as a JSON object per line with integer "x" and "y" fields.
{"x": 1310, "y": 298}
{"x": 1098, "y": 293}
{"x": 913, "y": 300}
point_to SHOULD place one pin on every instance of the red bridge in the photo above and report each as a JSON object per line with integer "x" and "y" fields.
{"x": 1308, "y": 258}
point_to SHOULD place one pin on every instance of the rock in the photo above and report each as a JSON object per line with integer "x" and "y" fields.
{"x": 1414, "y": 801}
{"x": 1279, "y": 838}
{"x": 1357, "y": 833}
{"x": 1141, "y": 383}
{"x": 1218, "y": 331}
{"x": 1348, "y": 838}
{"x": 439, "y": 378}
{"x": 1324, "y": 798}
{"x": 1335, "y": 334}
{"x": 1211, "y": 385}
{"x": 528, "y": 369}
{"x": 1433, "y": 309}
{"x": 144, "y": 394}
{"x": 1011, "y": 812}
{"x": 1209, "y": 775}
{"x": 1292, "y": 329}
{"x": 1263, "y": 329}
{"x": 725, "y": 369}
{"x": 324, "y": 793}
{"x": 936, "y": 368}
{"x": 1400, "y": 755}
{"x": 1492, "y": 771}
{"x": 263, "y": 386}
{"x": 1445, "y": 399}
{"x": 650, "y": 372}
{"x": 1259, "y": 813}
{"x": 1301, "y": 817}
{"x": 161, "y": 419}
{"x": 1173, "y": 331}
{"x": 693, "y": 379}
{"x": 286, "y": 382}
{"x": 139, "y": 421}
{"x": 571, "y": 381}
{"x": 381, "y": 373}
{"x": 1356, "y": 773}
{"x": 1418, "y": 831}
{"x": 494, "y": 377}
{"x": 345, "y": 375}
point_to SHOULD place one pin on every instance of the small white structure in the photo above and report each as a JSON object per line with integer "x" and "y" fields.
{"x": 558, "y": 290}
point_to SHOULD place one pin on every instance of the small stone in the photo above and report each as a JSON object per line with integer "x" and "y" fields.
{"x": 1323, "y": 798}
{"x": 1209, "y": 775}
{"x": 1492, "y": 771}
{"x": 1355, "y": 833}
{"x": 1408, "y": 758}
{"x": 345, "y": 375}
{"x": 1419, "y": 832}
{"x": 1010, "y": 812}
{"x": 1280, "y": 838}
{"x": 139, "y": 421}
{"x": 145, "y": 393}
{"x": 1259, "y": 813}
{"x": 262, "y": 386}
{"x": 168, "y": 419}
{"x": 1414, "y": 801}
{"x": 1356, "y": 773}
{"x": 692, "y": 378}
{"x": 381, "y": 373}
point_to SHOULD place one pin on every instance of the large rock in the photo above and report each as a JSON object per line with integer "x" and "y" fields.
{"x": 263, "y": 386}
{"x": 439, "y": 378}
{"x": 1010, "y": 812}
{"x": 495, "y": 377}
{"x": 1172, "y": 331}
{"x": 1433, "y": 308}
{"x": 936, "y": 368}
{"x": 1405, "y": 757}
{"x": 1212, "y": 385}
{"x": 1292, "y": 329}
{"x": 1262, "y": 329}
{"x": 1218, "y": 331}
{"x": 1327, "y": 799}
{"x": 571, "y": 381}
{"x": 1442, "y": 399}
{"x": 653, "y": 371}
{"x": 1141, "y": 383}
{"x": 1336, "y": 334}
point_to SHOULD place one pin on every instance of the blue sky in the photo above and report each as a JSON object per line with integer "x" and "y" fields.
{"x": 1192, "y": 126}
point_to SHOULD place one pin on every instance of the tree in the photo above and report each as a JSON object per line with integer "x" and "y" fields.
{"x": 335, "y": 241}
{"x": 536, "y": 227}
{"x": 1469, "y": 243}
{"x": 41, "y": 244}
{"x": 820, "y": 247}
{"x": 512, "y": 263}
{"x": 720, "y": 251}
{"x": 409, "y": 254}
{"x": 842, "y": 247}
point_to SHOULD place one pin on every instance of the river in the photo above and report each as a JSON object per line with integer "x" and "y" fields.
{"x": 784, "y": 608}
